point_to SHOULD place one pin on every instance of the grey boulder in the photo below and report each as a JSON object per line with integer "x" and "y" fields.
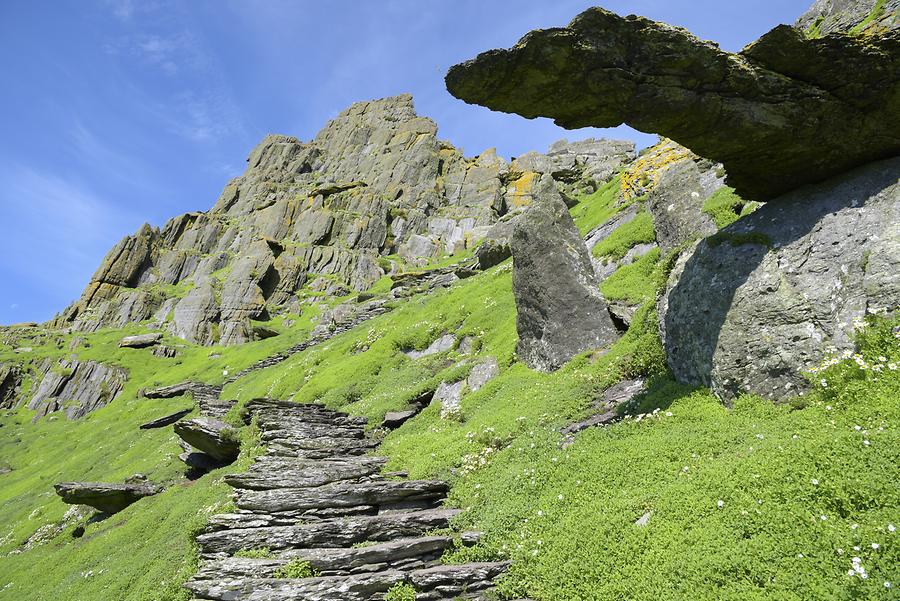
{"x": 105, "y": 497}
{"x": 211, "y": 436}
{"x": 140, "y": 340}
{"x": 560, "y": 311}
{"x": 760, "y": 301}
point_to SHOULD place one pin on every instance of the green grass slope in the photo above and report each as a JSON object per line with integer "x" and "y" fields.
{"x": 759, "y": 501}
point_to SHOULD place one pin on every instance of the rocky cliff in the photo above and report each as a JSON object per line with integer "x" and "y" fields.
{"x": 376, "y": 188}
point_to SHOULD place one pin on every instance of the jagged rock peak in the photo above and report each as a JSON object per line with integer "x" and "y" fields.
{"x": 317, "y": 215}
{"x": 786, "y": 111}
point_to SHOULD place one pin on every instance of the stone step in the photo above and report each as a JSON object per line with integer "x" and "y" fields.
{"x": 268, "y": 421}
{"x": 341, "y": 494}
{"x": 291, "y": 464}
{"x": 253, "y": 519}
{"x": 319, "y": 473}
{"x": 340, "y": 532}
{"x": 307, "y": 430}
{"x": 404, "y": 553}
{"x": 277, "y": 449}
{"x": 432, "y": 584}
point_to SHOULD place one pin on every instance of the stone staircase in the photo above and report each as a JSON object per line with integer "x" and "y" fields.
{"x": 363, "y": 313}
{"x": 317, "y": 496}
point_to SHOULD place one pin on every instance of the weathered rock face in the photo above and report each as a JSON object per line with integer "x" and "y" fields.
{"x": 376, "y": 180}
{"x": 560, "y": 311}
{"x": 10, "y": 380}
{"x": 78, "y": 387}
{"x": 676, "y": 201}
{"x": 785, "y": 111}
{"x": 860, "y": 16}
{"x": 761, "y": 300}
{"x": 108, "y": 498}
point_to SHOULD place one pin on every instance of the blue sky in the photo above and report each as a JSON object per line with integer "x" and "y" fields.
{"x": 117, "y": 112}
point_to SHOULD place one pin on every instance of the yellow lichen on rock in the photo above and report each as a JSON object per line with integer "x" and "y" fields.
{"x": 642, "y": 176}
{"x": 521, "y": 189}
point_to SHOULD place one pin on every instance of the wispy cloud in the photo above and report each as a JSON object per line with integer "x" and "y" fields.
{"x": 64, "y": 225}
{"x": 126, "y": 10}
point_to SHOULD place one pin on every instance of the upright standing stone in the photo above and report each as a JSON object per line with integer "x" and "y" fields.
{"x": 560, "y": 309}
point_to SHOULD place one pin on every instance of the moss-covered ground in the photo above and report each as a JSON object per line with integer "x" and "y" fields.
{"x": 759, "y": 501}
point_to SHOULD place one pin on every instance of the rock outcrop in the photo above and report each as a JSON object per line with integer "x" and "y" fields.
{"x": 211, "y": 436}
{"x": 560, "y": 311}
{"x": 105, "y": 497}
{"x": 857, "y": 16}
{"x": 785, "y": 111}
{"x": 318, "y": 217}
{"x": 10, "y": 381}
{"x": 78, "y": 387}
{"x": 760, "y": 301}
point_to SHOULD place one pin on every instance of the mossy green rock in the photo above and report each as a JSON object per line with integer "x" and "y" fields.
{"x": 785, "y": 111}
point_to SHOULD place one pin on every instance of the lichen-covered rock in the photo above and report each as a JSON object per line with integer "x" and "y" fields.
{"x": 78, "y": 387}
{"x": 854, "y": 16}
{"x": 560, "y": 311}
{"x": 677, "y": 198}
{"x": 785, "y": 111}
{"x": 105, "y": 497}
{"x": 760, "y": 301}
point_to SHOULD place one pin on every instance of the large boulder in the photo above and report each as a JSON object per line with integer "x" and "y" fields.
{"x": 211, "y": 436}
{"x": 140, "y": 340}
{"x": 560, "y": 311}
{"x": 105, "y": 497}
{"x": 764, "y": 298}
{"x": 785, "y": 111}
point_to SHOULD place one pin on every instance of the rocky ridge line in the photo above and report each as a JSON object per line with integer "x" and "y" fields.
{"x": 320, "y": 218}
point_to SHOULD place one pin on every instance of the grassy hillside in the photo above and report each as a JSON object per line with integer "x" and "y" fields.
{"x": 760, "y": 501}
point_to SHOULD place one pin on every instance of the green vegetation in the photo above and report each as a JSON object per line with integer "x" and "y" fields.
{"x": 401, "y": 592}
{"x": 637, "y": 231}
{"x": 597, "y": 208}
{"x": 876, "y": 13}
{"x": 296, "y": 568}
{"x": 814, "y": 31}
{"x": 725, "y": 207}
{"x": 761, "y": 501}
{"x": 634, "y": 283}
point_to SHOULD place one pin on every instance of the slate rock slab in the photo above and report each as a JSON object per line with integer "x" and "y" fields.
{"x": 106, "y": 497}
{"x": 788, "y": 110}
{"x": 211, "y": 436}
{"x": 166, "y": 420}
{"x": 141, "y": 340}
